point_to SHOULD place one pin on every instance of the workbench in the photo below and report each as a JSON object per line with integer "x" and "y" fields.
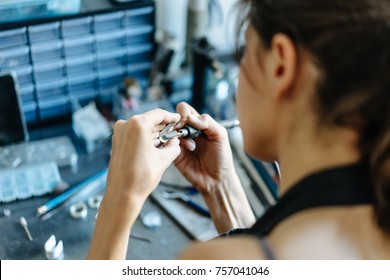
{"x": 167, "y": 240}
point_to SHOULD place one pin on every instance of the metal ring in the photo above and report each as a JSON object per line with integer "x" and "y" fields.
{"x": 94, "y": 201}
{"x": 78, "y": 210}
{"x": 168, "y": 128}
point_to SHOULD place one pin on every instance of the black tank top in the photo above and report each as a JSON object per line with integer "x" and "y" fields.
{"x": 342, "y": 186}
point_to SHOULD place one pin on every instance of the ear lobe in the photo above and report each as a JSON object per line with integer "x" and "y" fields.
{"x": 285, "y": 64}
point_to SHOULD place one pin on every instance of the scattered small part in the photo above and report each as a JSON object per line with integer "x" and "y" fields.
{"x": 152, "y": 220}
{"x": 78, "y": 210}
{"x": 6, "y": 212}
{"x": 94, "y": 201}
{"x": 24, "y": 224}
{"x": 54, "y": 251}
{"x": 139, "y": 237}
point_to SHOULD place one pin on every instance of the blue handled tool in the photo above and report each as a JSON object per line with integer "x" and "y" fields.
{"x": 187, "y": 200}
{"x": 91, "y": 182}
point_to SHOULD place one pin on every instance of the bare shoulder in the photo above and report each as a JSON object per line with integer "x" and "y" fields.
{"x": 234, "y": 248}
{"x": 330, "y": 233}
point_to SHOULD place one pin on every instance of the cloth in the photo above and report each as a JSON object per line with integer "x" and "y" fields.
{"x": 347, "y": 185}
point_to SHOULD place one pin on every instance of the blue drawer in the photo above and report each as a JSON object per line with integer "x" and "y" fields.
{"x": 53, "y": 107}
{"x": 79, "y": 46}
{"x": 27, "y": 92}
{"x": 139, "y": 35}
{"x": 112, "y": 72}
{"x": 108, "y": 22}
{"x": 139, "y": 70}
{"x": 76, "y": 27}
{"x": 142, "y": 53}
{"x": 30, "y": 111}
{"x": 139, "y": 16}
{"x": 80, "y": 66}
{"x": 13, "y": 37}
{"x": 112, "y": 59}
{"x": 49, "y": 71}
{"x": 47, "y": 51}
{"x": 109, "y": 82}
{"x": 24, "y": 74}
{"x": 44, "y": 32}
{"x": 110, "y": 41}
{"x": 14, "y": 57}
{"x": 83, "y": 85}
{"x": 83, "y": 89}
{"x": 51, "y": 89}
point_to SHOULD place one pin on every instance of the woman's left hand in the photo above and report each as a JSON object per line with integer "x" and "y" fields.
{"x": 136, "y": 164}
{"x": 135, "y": 169}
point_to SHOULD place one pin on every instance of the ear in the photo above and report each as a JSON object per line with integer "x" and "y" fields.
{"x": 283, "y": 65}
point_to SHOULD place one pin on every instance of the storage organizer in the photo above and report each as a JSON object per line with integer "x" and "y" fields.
{"x": 82, "y": 57}
{"x": 12, "y": 11}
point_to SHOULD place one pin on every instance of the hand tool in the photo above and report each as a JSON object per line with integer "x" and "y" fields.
{"x": 187, "y": 200}
{"x": 24, "y": 224}
{"x": 188, "y": 131}
{"x": 92, "y": 183}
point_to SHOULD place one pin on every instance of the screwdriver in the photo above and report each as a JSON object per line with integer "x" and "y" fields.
{"x": 24, "y": 224}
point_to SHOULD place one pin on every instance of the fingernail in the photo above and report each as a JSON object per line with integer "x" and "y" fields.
{"x": 191, "y": 145}
{"x": 180, "y": 124}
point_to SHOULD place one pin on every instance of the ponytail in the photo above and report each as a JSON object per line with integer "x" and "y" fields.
{"x": 350, "y": 43}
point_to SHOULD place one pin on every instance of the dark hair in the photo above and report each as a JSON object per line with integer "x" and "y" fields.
{"x": 350, "y": 42}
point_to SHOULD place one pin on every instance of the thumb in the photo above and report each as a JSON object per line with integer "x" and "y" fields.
{"x": 171, "y": 150}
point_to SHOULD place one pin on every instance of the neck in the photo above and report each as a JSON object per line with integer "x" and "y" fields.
{"x": 304, "y": 153}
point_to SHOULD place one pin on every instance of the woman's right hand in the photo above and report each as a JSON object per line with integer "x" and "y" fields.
{"x": 205, "y": 161}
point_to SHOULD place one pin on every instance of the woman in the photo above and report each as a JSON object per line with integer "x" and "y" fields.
{"x": 313, "y": 94}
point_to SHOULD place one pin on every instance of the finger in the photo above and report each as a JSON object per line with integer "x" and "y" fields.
{"x": 155, "y": 135}
{"x": 207, "y": 124}
{"x": 119, "y": 128}
{"x": 158, "y": 117}
{"x": 171, "y": 150}
{"x": 189, "y": 144}
{"x": 158, "y": 128}
{"x": 156, "y": 142}
{"x": 184, "y": 109}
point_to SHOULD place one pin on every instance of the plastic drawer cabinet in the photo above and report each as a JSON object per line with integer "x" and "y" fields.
{"x": 84, "y": 56}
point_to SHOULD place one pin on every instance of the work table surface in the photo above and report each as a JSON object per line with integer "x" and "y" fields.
{"x": 76, "y": 234}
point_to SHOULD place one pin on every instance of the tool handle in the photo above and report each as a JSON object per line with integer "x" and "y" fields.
{"x": 23, "y": 222}
{"x": 199, "y": 208}
{"x": 190, "y": 132}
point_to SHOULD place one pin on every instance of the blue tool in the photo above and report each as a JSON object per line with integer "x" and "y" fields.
{"x": 186, "y": 199}
{"x": 96, "y": 179}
